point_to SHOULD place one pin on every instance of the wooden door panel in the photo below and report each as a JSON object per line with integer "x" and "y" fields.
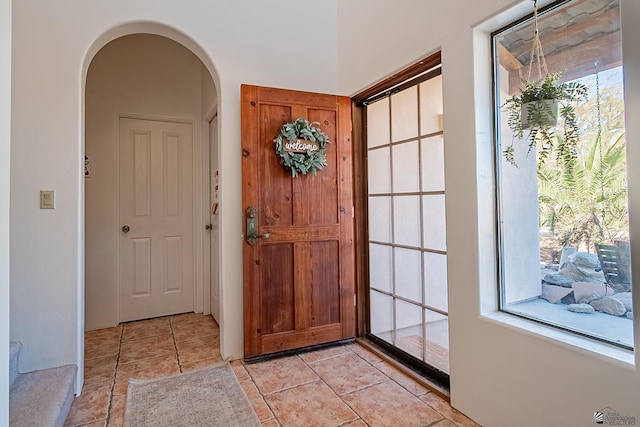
{"x": 299, "y": 284}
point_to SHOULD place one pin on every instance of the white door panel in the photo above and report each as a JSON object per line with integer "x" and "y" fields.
{"x": 156, "y": 199}
{"x": 214, "y": 182}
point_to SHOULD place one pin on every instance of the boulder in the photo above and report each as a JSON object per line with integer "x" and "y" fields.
{"x": 584, "y": 259}
{"x": 558, "y": 280}
{"x": 609, "y": 305}
{"x": 581, "y": 274}
{"x": 588, "y": 299}
{"x": 625, "y": 299}
{"x": 580, "y": 308}
{"x": 583, "y": 290}
{"x": 553, "y": 293}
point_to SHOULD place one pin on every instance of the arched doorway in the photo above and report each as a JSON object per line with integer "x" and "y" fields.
{"x": 155, "y": 90}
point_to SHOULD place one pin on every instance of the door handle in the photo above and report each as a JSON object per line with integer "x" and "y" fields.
{"x": 125, "y": 229}
{"x": 252, "y": 227}
{"x": 208, "y": 227}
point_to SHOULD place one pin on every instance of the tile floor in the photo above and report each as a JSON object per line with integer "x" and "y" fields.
{"x": 338, "y": 386}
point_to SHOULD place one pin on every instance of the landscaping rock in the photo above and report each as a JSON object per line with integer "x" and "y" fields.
{"x": 609, "y": 305}
{"x": 625, "y": 299}
{"x": 589, "y": 299}
{"x": 584, "y": 259}
{"x": 558, "y": 280}
{"x": 580, "y": 308}
{"x": 553, "y": 293}
{"x": 582, "y": 290}
{"x": 581, "y": 274}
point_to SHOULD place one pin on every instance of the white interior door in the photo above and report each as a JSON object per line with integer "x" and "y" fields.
{"x": 214, "y": 212}
{"x": 156, "y": 202}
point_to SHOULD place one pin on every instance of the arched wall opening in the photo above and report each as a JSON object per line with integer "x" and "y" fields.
{"x": 143, "y": 71}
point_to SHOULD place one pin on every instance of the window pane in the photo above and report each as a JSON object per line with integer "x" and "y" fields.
{"x": 435, "y": 281}
{"x": 404, "y": 114}
{"x": 409, "y": 328}
{"x": 378, "y": 123}
{"x": 382, "y": 321}
{"x": 408, "y": 274}
{"x": 437, "y": 340}
{"x": 434, "y": 222}
{"x": 380, "y": 267}
{"x": 431, "y": 106}
{"x": 380, "y": 219}
{"x": 433, "y": 163}
{"x": 406, "y": 168}
{"x": 406, "y": 220}
{"x": 379, "y": 171}
{"x": 564, "y": 230}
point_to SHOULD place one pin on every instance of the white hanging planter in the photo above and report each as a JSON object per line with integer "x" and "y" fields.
{"x": 542, "y": 113}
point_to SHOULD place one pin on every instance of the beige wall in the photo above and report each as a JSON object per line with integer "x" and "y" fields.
{"x": 5, "y": 136}
{"x": 239, "y": 42}
{"x": 141, "y": 75}
{"x": 503, "y": 372}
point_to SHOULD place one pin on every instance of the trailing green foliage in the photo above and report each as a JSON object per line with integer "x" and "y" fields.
{"x": 541, "y": 118}
{"x": 302, "y": 162}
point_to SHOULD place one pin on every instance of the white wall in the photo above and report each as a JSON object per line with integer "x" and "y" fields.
{"x": 53, "y": 42}
{"x": 501, "y": 373}
{"x": 5, "y": 137}
{"x": 144, "y": 75}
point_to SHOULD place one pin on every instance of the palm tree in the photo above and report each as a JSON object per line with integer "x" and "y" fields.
{"x": 585, "y": 200}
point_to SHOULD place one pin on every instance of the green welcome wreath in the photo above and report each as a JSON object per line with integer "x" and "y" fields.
{"x": 301, "y": 147}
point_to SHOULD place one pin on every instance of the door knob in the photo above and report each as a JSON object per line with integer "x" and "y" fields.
{"x": 252, "y": 227}
{"x": 125, "y": 228}
{"x": 208, "y": 227}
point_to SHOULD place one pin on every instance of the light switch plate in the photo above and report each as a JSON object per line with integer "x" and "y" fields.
{"x": 47, "y": 199}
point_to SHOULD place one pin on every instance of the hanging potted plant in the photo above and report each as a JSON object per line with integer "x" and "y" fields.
{"x": 537, "y": 108}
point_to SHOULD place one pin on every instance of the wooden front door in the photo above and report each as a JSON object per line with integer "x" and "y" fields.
{"x": 299, "y": 283}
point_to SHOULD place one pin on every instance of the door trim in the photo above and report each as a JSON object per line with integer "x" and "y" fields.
{"x": 211, "y": 113}
{"x": 197, "y": 200}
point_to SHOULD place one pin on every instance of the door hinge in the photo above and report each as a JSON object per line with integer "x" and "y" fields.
{"x": 353, "y": 211}
{"x": 354, "y": 300}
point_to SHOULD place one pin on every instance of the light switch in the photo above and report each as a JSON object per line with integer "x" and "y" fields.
{"x": 47, "y": 199}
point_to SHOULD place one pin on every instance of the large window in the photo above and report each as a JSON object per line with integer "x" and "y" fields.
{"x": 562, "y": 201}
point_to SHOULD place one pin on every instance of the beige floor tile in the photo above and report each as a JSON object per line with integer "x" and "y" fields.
{"x": 356, "y": 423}
{"x": 310, "y": 404}
{"x": 187, "y": 331}
{"x": 347, "y": 372}
{"x": 116, "y": 411}
{"x": 241, "y": 372}
{"x": 270, "y": 423}
{"x": 327, "y": 353}
{"x": 388, "y": 404}
{"x": 185, "y": 318}
{"x": 198, "y": 349}
{"x": 146, "y": 348}
{"x": 144, "y": 369}
{"x": 96, "y": 346}
{"x": 364, "y": 353}
{"x": 257, "y": 401}
{"x": 279, "y": 374}
{"x": 414, "y": 387}
{"x": 190, "y": 366}
{"x": 146, "y": 328}
{"x": 442, "y": 406}
{"x": 100, "y": 369}
{"x": 91, "y": 405}
{"x": 104, "y": 333}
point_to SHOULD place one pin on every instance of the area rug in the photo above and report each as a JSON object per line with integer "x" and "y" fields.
{"x": 210, "y": 396}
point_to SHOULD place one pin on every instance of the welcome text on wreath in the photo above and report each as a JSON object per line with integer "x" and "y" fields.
{"x": 301, "y": 146}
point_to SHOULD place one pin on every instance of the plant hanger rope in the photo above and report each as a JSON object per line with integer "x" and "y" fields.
{"x": 536, "y": 49}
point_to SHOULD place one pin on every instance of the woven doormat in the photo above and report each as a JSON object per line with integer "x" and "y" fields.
{"x": 210, "y": 396}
